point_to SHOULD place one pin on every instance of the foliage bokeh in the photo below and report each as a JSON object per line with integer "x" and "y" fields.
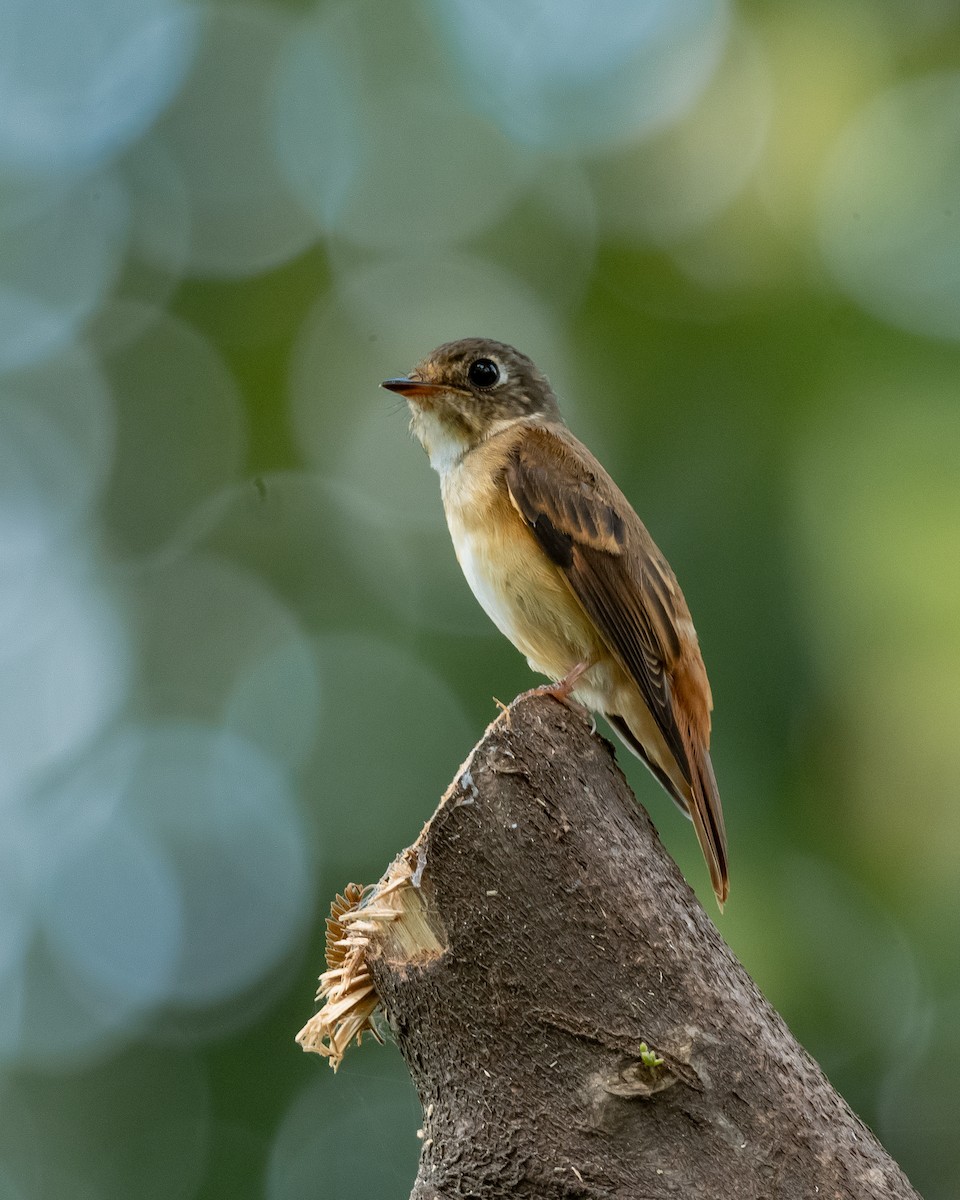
{"x": 239, "y": 661}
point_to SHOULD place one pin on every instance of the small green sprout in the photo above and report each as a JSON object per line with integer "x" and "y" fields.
{"x": 649, "y": 1058}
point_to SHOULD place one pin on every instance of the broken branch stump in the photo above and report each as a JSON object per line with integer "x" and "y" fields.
{"x": 573, "y": 1022}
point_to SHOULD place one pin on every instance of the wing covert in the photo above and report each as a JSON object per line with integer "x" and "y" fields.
{"x": 624, "y": 585}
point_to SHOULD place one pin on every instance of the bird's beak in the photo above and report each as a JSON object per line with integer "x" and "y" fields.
{"x": 414, "y": 387}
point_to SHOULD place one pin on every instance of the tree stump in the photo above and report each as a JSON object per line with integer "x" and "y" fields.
{"x": 574, "y": 1023}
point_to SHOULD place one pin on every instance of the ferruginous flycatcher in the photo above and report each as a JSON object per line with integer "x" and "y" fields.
{"x": 565, "y": 568}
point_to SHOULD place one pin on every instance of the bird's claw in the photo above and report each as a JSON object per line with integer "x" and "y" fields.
{"x": 562, "y": 690}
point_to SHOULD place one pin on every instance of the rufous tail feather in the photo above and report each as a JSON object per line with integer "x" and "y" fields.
{"x": 707, "y": 816}
{"x": 700, "y": 801}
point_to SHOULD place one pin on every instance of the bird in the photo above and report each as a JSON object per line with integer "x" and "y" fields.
{"x": 561, "y": 563}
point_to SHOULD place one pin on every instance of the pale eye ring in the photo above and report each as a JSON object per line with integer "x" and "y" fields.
{"x": 483, "y": 373}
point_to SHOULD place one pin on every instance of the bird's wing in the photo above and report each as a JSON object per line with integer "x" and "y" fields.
{"x": 622, "y": 581}
{"x": 626, "y": 587}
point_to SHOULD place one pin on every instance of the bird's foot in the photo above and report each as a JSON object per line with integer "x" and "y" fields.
{"x": 562, "y": 690}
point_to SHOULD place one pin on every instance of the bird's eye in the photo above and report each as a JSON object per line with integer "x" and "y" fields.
{"x": 483, "y": 373}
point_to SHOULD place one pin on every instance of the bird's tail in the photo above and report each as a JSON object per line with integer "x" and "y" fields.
{"x": 699, "y": 799}
{"x": 707, "y": 815}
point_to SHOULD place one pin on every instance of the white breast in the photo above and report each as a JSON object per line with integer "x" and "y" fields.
{"x": 464, "y": 500}
{"x": 515, "y": 584}
{"x": 485, "y": 581}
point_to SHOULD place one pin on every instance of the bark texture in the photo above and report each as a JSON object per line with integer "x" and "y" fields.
{"x": 565, "y": 955}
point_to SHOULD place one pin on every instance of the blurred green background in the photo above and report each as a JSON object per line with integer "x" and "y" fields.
{"x": 239, "y": 663}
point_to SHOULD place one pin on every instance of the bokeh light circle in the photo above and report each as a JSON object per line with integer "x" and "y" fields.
{"x": 111, "y": 914}
{"x": 223, "y": 816}
{"x": 246, "y": 666}
{"x": 16, "y": 929}
{"x": 244, "y": 220}
{"x": 79, "y": 82}
{"x": 384, "y": 155}
{"x": 181, "y": 433}
{"x": 65, "y": 653}
{"x": 889, "y": 217}
{"x": 57, "y": 266}
{"x": 158, "y": 244}
{"x": 56, "y": 444}
{"x": 562, "y": 75}
{"x": 671, "y": 184}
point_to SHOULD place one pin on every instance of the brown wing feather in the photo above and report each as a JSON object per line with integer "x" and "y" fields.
{"x": 625, "y": 585}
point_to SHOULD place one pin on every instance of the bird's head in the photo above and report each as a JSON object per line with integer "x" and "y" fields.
{"x": 465, "y": 391}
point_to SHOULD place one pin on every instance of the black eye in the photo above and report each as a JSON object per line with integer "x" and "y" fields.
{"x": 483, "y": 373}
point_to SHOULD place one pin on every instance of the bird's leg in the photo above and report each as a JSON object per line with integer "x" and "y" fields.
{"x": 563, "y": 688}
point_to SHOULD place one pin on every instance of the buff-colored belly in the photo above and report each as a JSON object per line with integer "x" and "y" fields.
{"x": 519, "y": 588}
